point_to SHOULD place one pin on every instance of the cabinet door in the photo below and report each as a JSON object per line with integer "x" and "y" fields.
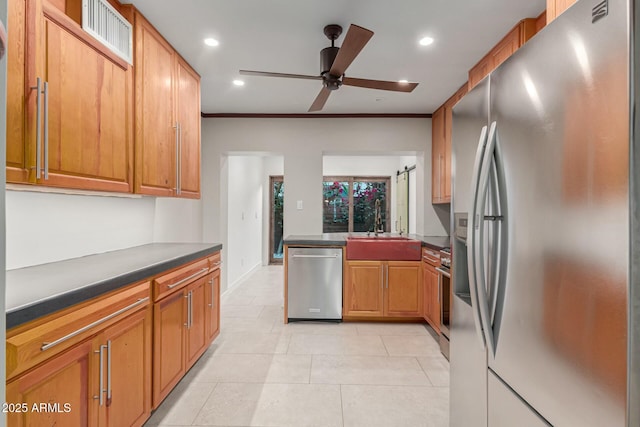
{"x": 363, "y": 290}
{"x": 68, "y": 379}
{"x": 403, "y": 289}
{"x": 556, "y": 7}
{"x": 188, "y": 111}
{"x": 169, "y": 325}
{"x": 426, "y": 292}
{"x": 480, "y": 71}
{"x": 88, "y": 137}
{"x": 213, "y": 305}
{"x": 507, "y": 46}
{"x": 446, "y": 148}
{"x": 437, "y": 155}
{"x": 16, "y": 137}
{"x": 436, "y": 299}
{"x": 196, "y": 342}
{"x": 128, "y": 398}
{"x": 156, "y": 135}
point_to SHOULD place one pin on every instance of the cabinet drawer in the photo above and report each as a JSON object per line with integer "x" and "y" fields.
{"x": 214, "y": 261}
{"x": 58, "y": 332}
{"x": 431, "y": 256}
{"x": 177, "y": 279}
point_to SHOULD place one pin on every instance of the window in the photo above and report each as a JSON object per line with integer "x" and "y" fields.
{"x": 349, "y": 203}
{"x": 276, "y": 190}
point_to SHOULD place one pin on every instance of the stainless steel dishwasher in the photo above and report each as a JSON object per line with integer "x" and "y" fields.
{"x": 314, "y": 283}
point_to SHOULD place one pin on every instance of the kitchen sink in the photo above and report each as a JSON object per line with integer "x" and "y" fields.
{"x": 383, "y": 248}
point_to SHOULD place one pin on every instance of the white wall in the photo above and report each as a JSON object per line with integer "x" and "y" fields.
{"x": 244, "y": 214}
{"x": 302, "y": 143}
{"x": 46, "y": 227}
{"x": 177, "y": 220}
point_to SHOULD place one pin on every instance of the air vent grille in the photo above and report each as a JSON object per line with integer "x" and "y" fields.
{"x": 104, "y": 23}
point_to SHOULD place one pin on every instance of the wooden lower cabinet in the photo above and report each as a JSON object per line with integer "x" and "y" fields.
{"x": 212, "y": 314}
{"x": 363, "y": 290}
{"x": 403, "y": 289}
{"x": 431, "y": 296}
{"x": 383, "y": 289}
{"x": 196, "y": 342}
{"x": 66, "y": 381}
{"x": 125, "y": 364}
{"x": 169, "y": 322}
{"x": 70, "y": 383}
{"x": 127, "y": 401}
{"x": 184, "y": 325}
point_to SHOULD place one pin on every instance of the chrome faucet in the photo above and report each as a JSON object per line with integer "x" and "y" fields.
{"x": 378, "y": 227}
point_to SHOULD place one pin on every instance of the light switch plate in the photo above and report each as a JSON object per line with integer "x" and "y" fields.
{"x": 299, "y": 205}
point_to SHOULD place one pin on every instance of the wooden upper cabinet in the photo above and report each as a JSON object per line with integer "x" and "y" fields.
{"x": 16, "y": 138}
{"x": 556, "y": 7}
{"x": 515, "y": 38}
{"x": 480, "y": 71}
{"x": 83, "y": 132}
{"x": 156, "y": 136}
{"x": 438, "y": 136}
{"x": 188, "y": 110}
{"x": 167, "y": 134}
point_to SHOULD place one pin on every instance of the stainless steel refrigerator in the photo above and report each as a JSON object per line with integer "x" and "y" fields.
{"x": 545, "y": 316}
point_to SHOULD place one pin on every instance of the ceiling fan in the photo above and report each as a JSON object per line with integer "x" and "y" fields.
{"x": 334, "y": 61}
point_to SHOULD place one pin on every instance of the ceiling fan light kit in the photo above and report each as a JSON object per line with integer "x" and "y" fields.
{"x": 334, "y": 61}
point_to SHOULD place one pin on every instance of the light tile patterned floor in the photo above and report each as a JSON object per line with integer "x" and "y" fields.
{"x": 261, "y": 372}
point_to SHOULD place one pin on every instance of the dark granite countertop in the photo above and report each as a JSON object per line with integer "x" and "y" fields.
{"x": 33, "y": 292}
{"x": 340, "y": 239}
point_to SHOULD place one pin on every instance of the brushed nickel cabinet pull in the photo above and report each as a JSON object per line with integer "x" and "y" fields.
{"x": 186, "y": 279}
{"x": 48, "y": 345}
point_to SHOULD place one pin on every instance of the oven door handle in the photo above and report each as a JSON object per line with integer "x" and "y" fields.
{"x": 444, "y": 272}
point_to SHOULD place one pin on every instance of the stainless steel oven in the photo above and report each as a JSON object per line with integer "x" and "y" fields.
{"x": 444, "y": 283}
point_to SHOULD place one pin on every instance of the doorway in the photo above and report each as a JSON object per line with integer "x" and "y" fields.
{"x": 276, "y": 218}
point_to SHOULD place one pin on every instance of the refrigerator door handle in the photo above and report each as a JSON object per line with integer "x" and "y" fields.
{"x": 471, "y": 243}
{"x": 479, "y": 239}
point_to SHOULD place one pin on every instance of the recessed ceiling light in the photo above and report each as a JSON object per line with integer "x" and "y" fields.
{"x": 238, "y": 82}
{"x": 426, "y": 41}
{"x": 211, "y": 42}
{"x": 403, "y": 81}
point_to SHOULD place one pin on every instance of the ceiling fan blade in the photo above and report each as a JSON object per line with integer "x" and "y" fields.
{"x": 379, "y": 84}
{"x": 285, "y": 75}
{"x": 320, "y": 100}
{"x": 355, "y": 40}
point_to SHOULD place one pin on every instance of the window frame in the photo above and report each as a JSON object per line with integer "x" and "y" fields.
{"x": 361, "y": 178}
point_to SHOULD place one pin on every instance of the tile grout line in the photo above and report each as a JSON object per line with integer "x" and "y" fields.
{"x": 204, "y": 403}
{"x": 341, "y": 406}
{"x": 385, "y": 346}
{"x": 425, "y": 372}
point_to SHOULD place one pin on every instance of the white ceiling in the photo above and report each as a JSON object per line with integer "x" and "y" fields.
{"x": 286, "y": 36}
